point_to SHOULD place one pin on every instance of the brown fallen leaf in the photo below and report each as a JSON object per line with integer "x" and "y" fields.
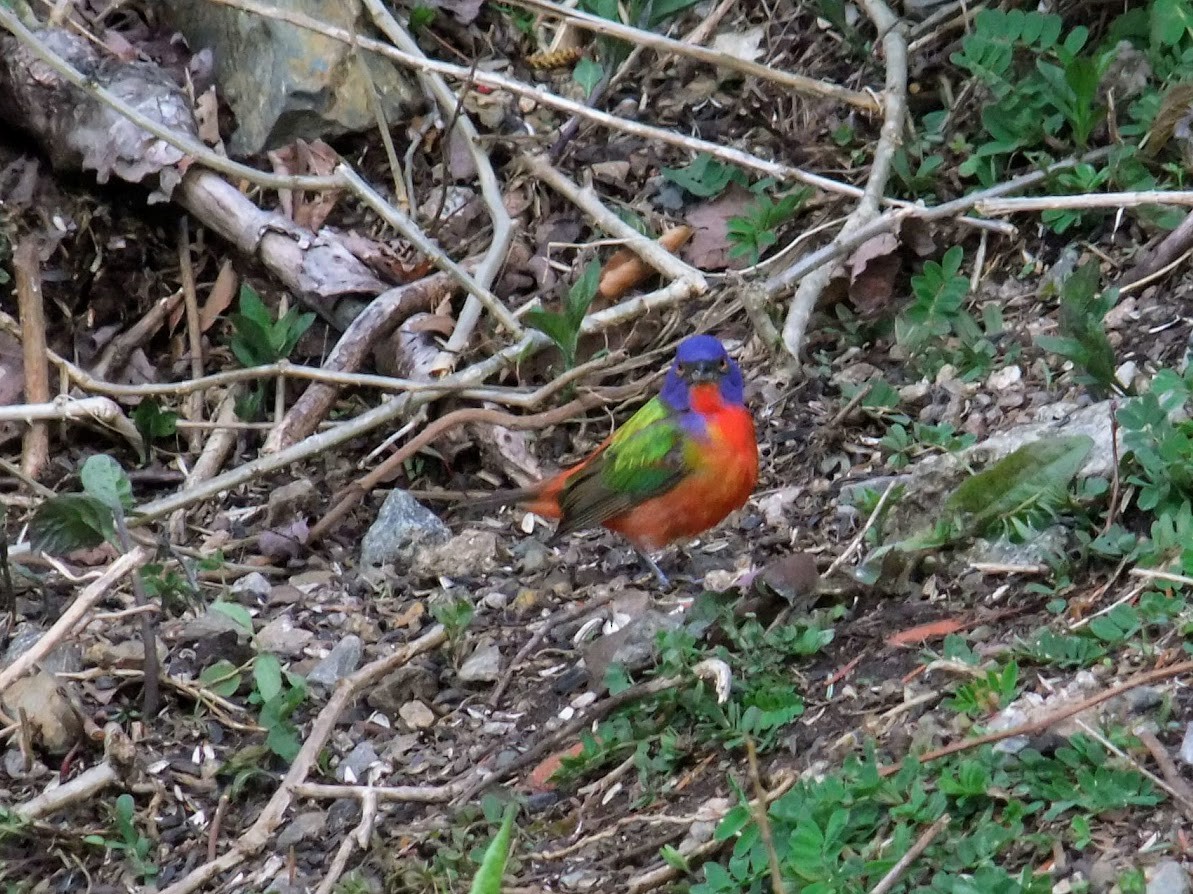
{"x": 924, "y": 632}
{"x": 709, "y": 245}
{"x": 872, "y": 270}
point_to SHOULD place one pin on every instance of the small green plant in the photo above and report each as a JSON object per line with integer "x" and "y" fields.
{"x": 1041, "y": 83}
{"x": 154, "y": 423}
{"x": 129, "y": 841}
{"x": 259, "y": 340}
{"x": 1079, "y": 180}
{"x": 906, "y": 439}
{"x": 937, "y": 328}
{"x": 564, "y": 328}
{"x": 757, "y": 230}
{"x": 1083, "y": 339}
{"x": 276, "y": 692}
{"x": 422, "y": 16}
{"x": 588, "y": 73}
{"x": 984, "y": 695}
{"x": 1159, "y": 444}
{"x": 705, "y": 177}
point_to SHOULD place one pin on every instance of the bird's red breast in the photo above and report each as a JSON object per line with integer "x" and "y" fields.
{"x": 724, "y": 471}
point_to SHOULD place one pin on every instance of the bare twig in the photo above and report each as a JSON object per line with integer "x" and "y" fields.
{"x": 1049, "y": 720}
{"x": 797, "y": 83}
{"x": 587, "y": 201}
{"x": 194, "y": 333}
{"x": 78, "y": 609}
{"x": 922, "y": 843}
{"x": 1171, "y": 249}
{"x": 215, "y": 451}
{"x": 1089, "y": 200}
{"x": 27, "y": 274}
{"x": 357, "y": 838}
{"x": 101, "y": 410}
{"x": 414, "y": 794}
{"x": 463, "y": 128}
{"x": 894, "y": 45}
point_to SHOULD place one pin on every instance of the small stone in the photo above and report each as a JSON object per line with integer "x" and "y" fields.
{"x": 125, "y": 655}
{"x": 468, "y": 554}
{"x": 52, "y": 721}
{"x": 65, "y": 658}
{"x": 343, "y": 659}
{"x": 402, "y": 522}
{"x": 1144, "y": 698}
{"x": 1168, "y": 877}
{"x": 416, "y": 715}
{"x": 281, "y": 637}
{"x": 289, "y": 499}
{"x": 14, "y": 766}
{"x": 256, "y": 586}
{"x": 304, "y": 826}
{"x": 483, "y": 665}
{"x": 1187, "y": 744}
{"x": 414, "y": 682}
{"x": 352, "y": 769}
{"x": 535, "y": 557}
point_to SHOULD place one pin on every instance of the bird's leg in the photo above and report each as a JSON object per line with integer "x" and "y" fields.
{"x": 654, "y": 567}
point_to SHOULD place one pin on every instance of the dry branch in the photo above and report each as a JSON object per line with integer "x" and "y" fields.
{"x": 894, "y": 45}
{"x": 27, "y": 274}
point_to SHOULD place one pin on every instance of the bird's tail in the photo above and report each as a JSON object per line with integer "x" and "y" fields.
{"x": 541, "y": 499}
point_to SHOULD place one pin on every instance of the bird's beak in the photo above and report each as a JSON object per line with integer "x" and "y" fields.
{"x": 705, "y": 372}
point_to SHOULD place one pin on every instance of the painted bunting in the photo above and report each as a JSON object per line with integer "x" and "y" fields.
{"x": 677, "y": 468}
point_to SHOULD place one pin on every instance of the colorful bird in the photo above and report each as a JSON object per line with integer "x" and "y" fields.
{"x": 677, "y": 468}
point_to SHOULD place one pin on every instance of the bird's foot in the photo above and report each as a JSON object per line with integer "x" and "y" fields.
{"x": 650, "y": 563}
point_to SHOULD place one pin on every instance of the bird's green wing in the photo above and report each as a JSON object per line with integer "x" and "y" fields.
{"x": 644, "y": 458}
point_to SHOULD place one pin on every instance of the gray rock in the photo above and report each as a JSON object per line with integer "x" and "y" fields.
{"x": 1168, "y": 877}
{"x": 281, "y": 637}
{"x": 65, "y": 658}
{"x": 297, "y": 496}
{"x": 354, "y": 767}
{"x": 413, "y": 682}
{"x": 401, "y": 523}
{"x": 1187, "y": 744}
{"x": 14, "y": 766}
{"x": 342, "y": 660}
{"x": 254, "y": 584}
{"x": 52, "y": 721}
{"x": 302, "y": 827}
{"x": 210, "y": 624}
{"x": 483, "y": 665}
{"x": 416, "y": 715}
{"x": 284, "y": 82}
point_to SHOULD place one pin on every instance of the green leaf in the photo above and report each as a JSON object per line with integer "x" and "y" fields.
{"x": 153, "y": 422}
{"x": 705, "y": 177}
{"x": 267, "y": 676}
{"x": 71, "y": 521}
{"x": 253, "y": 308}
{"x": 105, "y": 480}
{"x": 588, "y": 73}
{"x": 1017, "y": 480}
{"x": 555, "y": 327}
{"x": 283, "y": 741}
{"x": 222, "y": 678}
{"x": 237, "y": 613}
{"x": 581, "y": 295}
{"x": 492, "y": 869}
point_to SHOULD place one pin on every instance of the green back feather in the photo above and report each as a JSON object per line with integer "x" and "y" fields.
{"x": 645, "y": 458}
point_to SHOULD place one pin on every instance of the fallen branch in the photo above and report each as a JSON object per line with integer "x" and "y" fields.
{"x": 118, "y": 766}
{"x": 26, "y": 269}
{"x": 102, "y": 410}
{"x": 922, "y": 843}
{"x": 383, "y": 314}
{"x": 894, "y": 46}
{"x": 259, "y": 833}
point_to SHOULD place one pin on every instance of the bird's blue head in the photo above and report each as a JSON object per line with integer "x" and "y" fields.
{"x": 701, "y": 359}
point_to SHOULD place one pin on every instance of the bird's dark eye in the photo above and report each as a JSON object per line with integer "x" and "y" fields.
{"x": 724, "y": 364}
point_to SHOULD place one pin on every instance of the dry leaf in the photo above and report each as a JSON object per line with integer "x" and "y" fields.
{"x": 744, "y": 45}
{"x": 872, "y": 271}
{"x": 709, "y": 246}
